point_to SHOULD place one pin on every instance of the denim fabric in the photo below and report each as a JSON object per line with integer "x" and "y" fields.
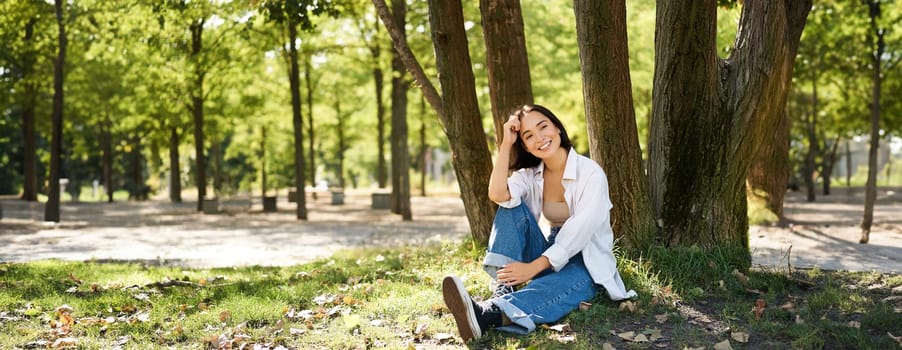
{"x": 516, "y": 236}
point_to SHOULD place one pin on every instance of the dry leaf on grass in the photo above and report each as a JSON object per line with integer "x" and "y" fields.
{"x": 607, "y": 346}
{"x": 758, "y": 309}
{"x": 584, "y": 306}
{"x": 641, "y": 338}
{"x": 563, "y": 328}
{"x": 742, "y": 278}
{"x": 441, "y": 337}
{"x": 724, "y": 345}
{"x": 853, "y": 324}
{"x": 628, "y": 306}
{"x": 893, "y": 337}
{"x": 628, "y": 336}
{"x": 788, "y": 306}
{"x": 655, "y": 335}
{"x": 661, "y": 318}
{"x": 741, "y": 337}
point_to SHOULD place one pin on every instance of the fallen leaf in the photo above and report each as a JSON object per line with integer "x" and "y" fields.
{"x": 788, "y": 306}
{"x": 584, "y": 306}
{"x": 563, "y": 327}
{"x": 225, "y": 316}
{"x": 742, "y": 278}
{"x": 741, "y": 337}
{"x": 799, "y": 319}
{"x": 296, "y": 331}
{"x": 64, "y": 343}
{"x": 441, "y": 337}
{"x": 421, "y": 328}
{"x": 655, "y": 335}
{"x": 893, "y": 337}
{"x": 380, "y": 258}
{"x": 607, "y": 346}
{"x": 628, "y": 336}
{"x": 758, "y": 309}
{"x": 853, "y": 324}
{"x": 641, "y": 338}
{"x": 628, "y": 306}
{"x": 661, "y": 318}
{"x": 724, "y": 345}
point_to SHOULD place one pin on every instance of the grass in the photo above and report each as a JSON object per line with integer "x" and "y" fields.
{"x": 390, "y": 298}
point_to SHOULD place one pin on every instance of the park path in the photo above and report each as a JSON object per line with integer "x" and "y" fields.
{"x": 823, "y": 234}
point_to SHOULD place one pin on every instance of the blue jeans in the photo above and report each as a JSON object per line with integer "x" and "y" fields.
{"x": 550, "y": 295}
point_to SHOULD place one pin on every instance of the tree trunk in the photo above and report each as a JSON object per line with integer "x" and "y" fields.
{"x": 400, "y": 154}
{"x": 311, "y": 133}
{"x": 423, "y": 148}
{"x": 769, "y": 174}
{"x": 197, "y": 99}
{"x": 294, "y": 81}
{"x": 29, "y": 150}
{"x": 379, "y": 82}
{"x": 107, "y": 144}
{"x": 52, "y": 209}
{"x": 507, "y": 63}
{"x": 340, "y": 133}
{"x": 137, "y": 191}
{"x": 710, "y": 115}
{"x": 263, "y": 186}
{"x": 811, "y": 136}
{"x": 610, "y": 117}
{"x": 216, "y": 153}
{"x": 829, "y": 160}
{"x": 875, "y": 38}
{"x": 175, "y": 174}
{"x": 457, "y": 107}
{"x": 848, "y": 166}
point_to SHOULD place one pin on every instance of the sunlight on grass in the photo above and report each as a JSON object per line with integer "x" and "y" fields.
{"x": 390, "y": 298}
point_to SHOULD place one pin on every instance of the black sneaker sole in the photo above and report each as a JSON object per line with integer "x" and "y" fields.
{"x": 458, "y": 301}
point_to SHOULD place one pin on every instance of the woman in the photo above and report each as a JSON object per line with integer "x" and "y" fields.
{"x": 563, "y": 267}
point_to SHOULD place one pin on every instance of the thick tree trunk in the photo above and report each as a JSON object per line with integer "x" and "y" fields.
{"x": 294, "y": 81}
{"x": 506, "y": 61}
{"x": 876, "y": 39}
{"x": 457, "y": 108}
{"x": 197, "y": 100}
{"x": 769, "y": 174}
{"x": 29, "y": 150}
{"x": 400, "y": 155}
{"x": 610, "y": 117}
{"x": 311, "y": 132}
{"x": 710, "y": 115}
{"x": 52, "y": 209}
{"x": 175, "y": 174}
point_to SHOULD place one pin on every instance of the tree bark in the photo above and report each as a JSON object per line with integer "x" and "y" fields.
{"x": 294, "y": 81}
{"x": 197, "y": 99}
{"x": 29, "y": 150}
{"x": 379, "y": 82}
{"x": 106, "y": 140}
{"x": 340, "y": 132}
{"x": 263, "y": 184}
{"x": 423, "y": 148}
{"x": 507, "y": 63}
{"x": 311, "y": 132}
{"x": 710, "y": 115}
{"x": 400, "y": 155}
{"x": 769, "y": 175}
{"x": 813, "y": 143}
{"x": 52, "y": 209}
{"x": 610, "y": 116}
{"x": 175, "y": 174}
{"x": 829, "y": 160}
{"x": 457, "y": 107}
{"x": 875, "y": 38}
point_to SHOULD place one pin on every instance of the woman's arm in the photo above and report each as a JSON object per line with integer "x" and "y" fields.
{"x": 498, "y": 191}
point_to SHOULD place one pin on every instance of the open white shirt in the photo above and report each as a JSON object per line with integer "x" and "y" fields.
{"x": 588, "y": 230}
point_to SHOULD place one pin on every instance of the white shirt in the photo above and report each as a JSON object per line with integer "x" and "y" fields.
{"x": 588, "y": 230}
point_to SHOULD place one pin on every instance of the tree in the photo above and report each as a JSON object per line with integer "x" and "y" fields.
{"x": 506, "y": 60}
{"x": 710, "y": 115}
{"x": 52, "y": 209}
{"x": 457, "y": 106}
{"x": 297, "y": 15}
{"x": 610, "y": 116}
{"x": 400, "y": 155}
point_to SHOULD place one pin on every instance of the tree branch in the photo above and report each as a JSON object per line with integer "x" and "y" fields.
{"x": 410, "y": 61}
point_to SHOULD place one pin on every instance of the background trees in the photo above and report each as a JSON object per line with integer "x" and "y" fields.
{"x": 172, "y": 93}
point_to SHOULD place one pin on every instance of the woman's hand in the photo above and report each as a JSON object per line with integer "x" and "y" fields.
{"x": 511, "y": 130}
{"x": 516, "y": 273}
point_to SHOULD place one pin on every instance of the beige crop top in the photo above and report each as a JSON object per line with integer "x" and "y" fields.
{"x": 556, "y": 212}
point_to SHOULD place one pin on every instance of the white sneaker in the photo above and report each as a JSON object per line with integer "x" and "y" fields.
{"x": 461, "y": 305}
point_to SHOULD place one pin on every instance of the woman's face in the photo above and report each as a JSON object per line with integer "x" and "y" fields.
{"x": 539, "y": 135}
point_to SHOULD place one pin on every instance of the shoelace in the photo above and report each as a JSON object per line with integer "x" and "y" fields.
{"x": 501, "y": 290}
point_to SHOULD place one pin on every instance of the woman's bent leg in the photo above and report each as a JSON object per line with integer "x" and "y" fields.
{"x": 547, "y": 298}
{"x": 516, "y": 236}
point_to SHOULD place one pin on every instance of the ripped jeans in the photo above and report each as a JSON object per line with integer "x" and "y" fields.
{"x": 550, "y": 295}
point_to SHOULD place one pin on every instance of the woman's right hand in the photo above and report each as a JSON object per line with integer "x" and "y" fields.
{"x": 511, "y": 131}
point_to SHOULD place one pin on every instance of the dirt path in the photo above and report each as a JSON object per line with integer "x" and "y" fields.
{"x": 822, "y": 234}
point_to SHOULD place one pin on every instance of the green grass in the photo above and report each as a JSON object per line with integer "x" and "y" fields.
{"x": 390, "y": 298}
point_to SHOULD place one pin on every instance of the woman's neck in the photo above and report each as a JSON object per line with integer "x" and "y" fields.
{"x": 556, "y": 162}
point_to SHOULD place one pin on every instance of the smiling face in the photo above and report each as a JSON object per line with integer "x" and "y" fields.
{"x": 539, "y": 135}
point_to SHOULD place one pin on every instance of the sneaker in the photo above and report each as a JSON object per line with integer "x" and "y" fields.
{"x": 499, "y": 289}
{"x": 462, "y": 307}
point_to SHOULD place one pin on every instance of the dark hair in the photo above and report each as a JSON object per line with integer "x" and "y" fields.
{"x": 521, "y": 158}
